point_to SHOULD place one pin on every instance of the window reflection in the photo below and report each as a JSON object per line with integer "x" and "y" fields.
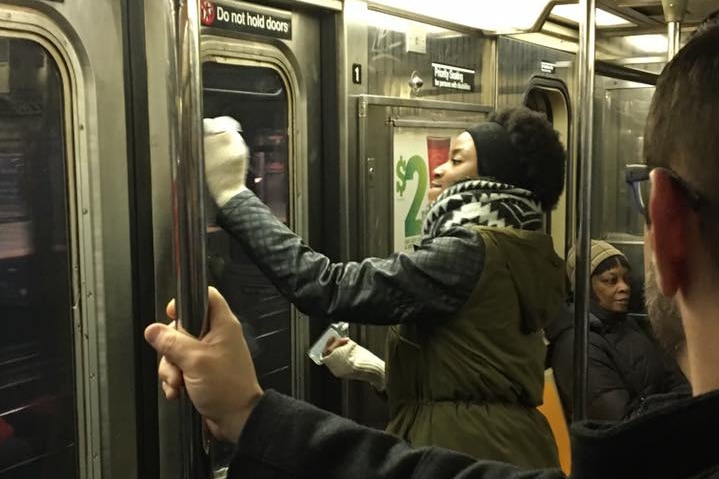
{"x": 257, "y": 97}
{"x": 620, "y": 141}
{"x": 37, "y": 403}
{"x": 621, "y": 114}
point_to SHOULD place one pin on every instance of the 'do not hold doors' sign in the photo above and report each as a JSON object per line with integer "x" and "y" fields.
{"x": 245, "y": 18}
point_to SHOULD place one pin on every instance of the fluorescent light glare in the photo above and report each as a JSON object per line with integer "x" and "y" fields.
{"x": 603, "y": 18}
{"x": 503, "y": 16}
{"x": 398, "y": 24}
{"x": 649, "y": 43}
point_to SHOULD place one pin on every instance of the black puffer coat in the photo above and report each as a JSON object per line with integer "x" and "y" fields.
{"x": 625, "y": 364}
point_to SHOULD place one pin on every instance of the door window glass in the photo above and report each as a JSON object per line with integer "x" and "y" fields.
{"x": 38, "y": 436}
{"x": 257, "y": 98}
{"x": 620, "y": 115}
{"x": 619, "y": 141}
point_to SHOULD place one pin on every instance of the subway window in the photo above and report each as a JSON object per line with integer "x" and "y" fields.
{"x": 38, "y": 433}
{"x": 258, "y": 98}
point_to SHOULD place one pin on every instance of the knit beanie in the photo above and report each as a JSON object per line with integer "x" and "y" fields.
{"x": 497, "y": 157}
{"x": 599, "y": 251}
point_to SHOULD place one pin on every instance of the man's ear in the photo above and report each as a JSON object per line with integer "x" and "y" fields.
{"x": 669, "y": 214}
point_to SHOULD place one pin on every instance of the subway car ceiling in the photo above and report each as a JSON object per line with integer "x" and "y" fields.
{"x": 624, "y": 17}
{"x": 628, "y": 31}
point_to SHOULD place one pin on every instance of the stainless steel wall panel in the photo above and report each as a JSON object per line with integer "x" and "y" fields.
{"x": 518, "y": 61}
{"x": 390, "y": 65}
{"x": 352, "y": 50}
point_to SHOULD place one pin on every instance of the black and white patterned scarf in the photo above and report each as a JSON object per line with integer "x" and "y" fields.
{"x": 485, "y": 203}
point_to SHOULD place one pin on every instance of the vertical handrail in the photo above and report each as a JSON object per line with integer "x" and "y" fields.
{"x": 674, "y": 11}
{"x": 584, "y": 137}
{"x": 674, "y": 36}
{"x": 189, "y": 214}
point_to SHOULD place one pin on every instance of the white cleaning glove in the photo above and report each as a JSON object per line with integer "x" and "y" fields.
{"x": 352, "y": 361}
{"x": 226, "y": 156}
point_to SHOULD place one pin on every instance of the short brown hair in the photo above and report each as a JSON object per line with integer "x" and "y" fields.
{"x": 681, "y": 131}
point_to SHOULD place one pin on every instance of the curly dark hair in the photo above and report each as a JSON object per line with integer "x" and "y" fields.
{"x": 541, "y": 154}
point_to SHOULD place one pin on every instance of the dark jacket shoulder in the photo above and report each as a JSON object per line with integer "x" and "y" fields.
{"x": 288, "y": 438}
{"x": 675, "y": 441}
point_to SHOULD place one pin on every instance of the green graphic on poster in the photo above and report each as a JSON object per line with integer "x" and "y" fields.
{"x": 415, "y": 149}
{"x": 406, "y": 170}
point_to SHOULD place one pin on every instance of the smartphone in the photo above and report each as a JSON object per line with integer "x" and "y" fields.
{"x": 335, "y": 330}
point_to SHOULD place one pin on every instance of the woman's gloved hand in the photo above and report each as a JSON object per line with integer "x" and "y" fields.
{"x": 226, "y": 156}
{"x": 348, "y": 360}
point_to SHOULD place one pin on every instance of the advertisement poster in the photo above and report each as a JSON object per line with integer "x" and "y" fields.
{"x": 417, "y": 152}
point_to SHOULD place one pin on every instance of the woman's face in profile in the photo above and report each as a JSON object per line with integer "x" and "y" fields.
{"x": 462, "y": 163}
{"x": 612, "y": 289}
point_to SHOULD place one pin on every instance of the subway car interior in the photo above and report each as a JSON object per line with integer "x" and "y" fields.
{"x": 100, "y": 135}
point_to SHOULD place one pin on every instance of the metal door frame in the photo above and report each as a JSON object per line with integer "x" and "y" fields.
{"x": 89, "y": 169}
{"x": 230, "y": 51}
{"x": 33, "y": 26}
{"x": 558, "y": 86}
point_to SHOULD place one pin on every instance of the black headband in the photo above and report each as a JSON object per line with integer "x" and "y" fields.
{"x": 497, "y": 157}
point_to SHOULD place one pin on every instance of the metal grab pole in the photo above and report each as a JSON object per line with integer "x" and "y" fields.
{"x": 674, "y": 11}
{"x": 189, "y": 214}
{"x": 674, "y": 37}
{"x": 584, "y": 138}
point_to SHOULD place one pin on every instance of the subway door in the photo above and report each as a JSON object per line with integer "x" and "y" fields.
{"x": 67, "y": 403}
{"x": 270, "y": 84}
{"x": 266, "y": 74}
{"x": 550, "y": 96}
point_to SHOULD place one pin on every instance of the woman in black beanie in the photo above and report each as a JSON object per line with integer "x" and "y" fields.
{"x": 465, "y": 354}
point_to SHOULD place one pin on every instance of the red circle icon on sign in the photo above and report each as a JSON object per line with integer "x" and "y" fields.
{"x": 207, "y": 12}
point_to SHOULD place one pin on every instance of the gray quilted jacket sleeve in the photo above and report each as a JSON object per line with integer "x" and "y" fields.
{"x": 429, "y": 284}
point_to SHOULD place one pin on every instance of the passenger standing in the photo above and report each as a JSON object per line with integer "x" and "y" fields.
{"x": 465, "y": 357}
{"x": 625, "y": 363}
